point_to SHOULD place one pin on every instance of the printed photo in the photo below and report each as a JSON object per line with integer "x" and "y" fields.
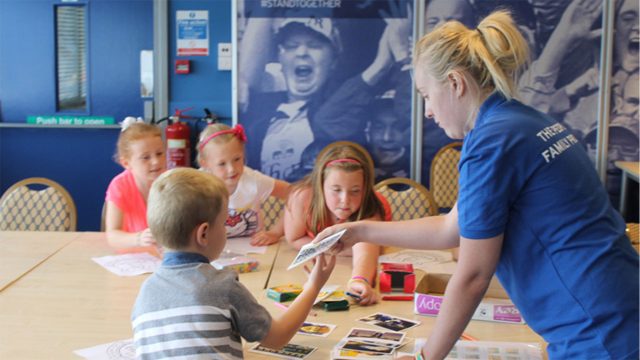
{"x": 309, "y": 78}
{"x": 340, "y": 354}
{"x": 368, "y": 347}
{"x": 388, "y": 337}
{"x": 309, "y": 251}
{"x": 316, "y": 329}
{"x": 389, "y": 322}
{"x": 289, "y": 351}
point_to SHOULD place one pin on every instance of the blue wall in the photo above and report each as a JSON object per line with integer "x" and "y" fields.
{"x": 81, "y": 159}
{"x": 205, "y": 86}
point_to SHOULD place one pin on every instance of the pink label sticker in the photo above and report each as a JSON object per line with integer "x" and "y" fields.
{"x": 506, "y": 313}
{"x": 428, "y": 304}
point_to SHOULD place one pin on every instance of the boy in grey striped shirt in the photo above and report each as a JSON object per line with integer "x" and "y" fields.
{"x": 187, "y": 308}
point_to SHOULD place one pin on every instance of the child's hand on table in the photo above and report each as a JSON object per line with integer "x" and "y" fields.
{"x": 145, "y": 238}
{"x": 362, "y": 289}
{"x": 263, "y": 238}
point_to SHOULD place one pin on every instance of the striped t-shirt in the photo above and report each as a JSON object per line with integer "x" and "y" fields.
{"x": 194, "y": 311}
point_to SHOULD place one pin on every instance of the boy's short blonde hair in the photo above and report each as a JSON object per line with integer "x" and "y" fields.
{"x": 180, "y": 200}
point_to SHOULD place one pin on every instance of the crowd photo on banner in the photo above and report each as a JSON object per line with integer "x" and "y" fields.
{"x": 563, "y": 79}
{"x": 311, "y": 77}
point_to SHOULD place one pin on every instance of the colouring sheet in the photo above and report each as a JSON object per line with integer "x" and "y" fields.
{"x": 129, "y": 264}
{"x": 117, "y": 350}
{"x": 426, "y": 260}
{"x": 242, "y": 245}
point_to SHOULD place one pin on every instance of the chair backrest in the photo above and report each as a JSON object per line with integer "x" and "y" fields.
{"x": 271, "y": 210}
{"x": 37, "y": 204}
{"x": 408, "y": 199}
{"x": 444, "y": 176}
{"x": 103, "y": 217}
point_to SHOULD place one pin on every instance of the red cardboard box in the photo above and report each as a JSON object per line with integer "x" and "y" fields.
{"x": 397, "y": 277}
{"x": 495, "y": 306}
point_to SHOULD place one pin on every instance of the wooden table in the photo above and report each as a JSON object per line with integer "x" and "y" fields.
{"x": 345, "y": 320}
{"x": 69, "y": 302}
{"x": 630, "y": 171}
{"x": 21, "y": 254}
{"x": 64, "y": 301}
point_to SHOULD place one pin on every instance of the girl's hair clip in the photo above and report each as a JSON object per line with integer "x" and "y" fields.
{"x": 128, "y": 121}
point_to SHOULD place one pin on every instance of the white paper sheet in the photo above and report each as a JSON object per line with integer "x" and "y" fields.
{"x": 117, "y": 350}
{"x": 311, "y": 250}
{"x": 243, "y": 246}
{"x": 129, "y": 264}
{"x": 426, "y": 260}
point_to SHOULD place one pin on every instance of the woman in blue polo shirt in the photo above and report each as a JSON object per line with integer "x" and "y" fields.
{"x": 530, "y": 206}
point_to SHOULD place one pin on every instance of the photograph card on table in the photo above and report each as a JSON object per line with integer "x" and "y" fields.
{"x": 370, "y": 347}
{"x": 354, "y": 349}
{"x": 389, "y": 322}
{"x": 316, "y": 329}
{"x": 289, "y": 351}
{"x": 392, "y": 338}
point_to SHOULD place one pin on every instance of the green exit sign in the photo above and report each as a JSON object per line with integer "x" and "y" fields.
{"x": 70, "y": 120}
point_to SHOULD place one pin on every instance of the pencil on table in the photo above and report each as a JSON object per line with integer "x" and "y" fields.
{"x": 280, "y": 305}
{"x": 468, "y": 337}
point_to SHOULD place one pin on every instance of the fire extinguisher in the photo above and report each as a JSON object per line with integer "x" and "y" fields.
{"x": 177, "y": 134}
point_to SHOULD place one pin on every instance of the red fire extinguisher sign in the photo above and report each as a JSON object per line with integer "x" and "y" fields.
{"x": 178, "y": 145}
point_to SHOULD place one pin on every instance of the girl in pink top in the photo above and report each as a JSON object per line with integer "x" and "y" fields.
{"x": 140, "y": 151}
{"x": 339, "y": 189}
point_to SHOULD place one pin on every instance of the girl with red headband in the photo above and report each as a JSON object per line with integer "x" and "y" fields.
{"x": 339, "y": 189}
{"x": 221, "y": 153}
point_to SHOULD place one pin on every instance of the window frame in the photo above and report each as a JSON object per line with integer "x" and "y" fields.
{"x": 86, "y": 109}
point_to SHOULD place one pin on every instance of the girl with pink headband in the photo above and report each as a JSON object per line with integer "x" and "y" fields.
{"x": 221, "y": 153}
{"x": 339, "y": 189}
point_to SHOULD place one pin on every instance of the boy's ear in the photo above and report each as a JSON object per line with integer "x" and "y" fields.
{"x": 201, "y": 234}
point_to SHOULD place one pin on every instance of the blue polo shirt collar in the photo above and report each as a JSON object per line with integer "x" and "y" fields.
{"x": 173, "y": 258}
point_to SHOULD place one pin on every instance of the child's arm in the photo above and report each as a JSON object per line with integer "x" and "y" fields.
{"x": 271, "y": 236}
{"x": 123, "y": 239}
{"x": 281, "y": 189}
{"x": 267, "y": 237}
{"x": 295, "y": 218}
{"x": 365, "y": 263}
{"x": 285, "y": 327}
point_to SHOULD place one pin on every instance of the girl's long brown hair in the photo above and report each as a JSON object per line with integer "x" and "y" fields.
{"x": 318, "y": 215}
